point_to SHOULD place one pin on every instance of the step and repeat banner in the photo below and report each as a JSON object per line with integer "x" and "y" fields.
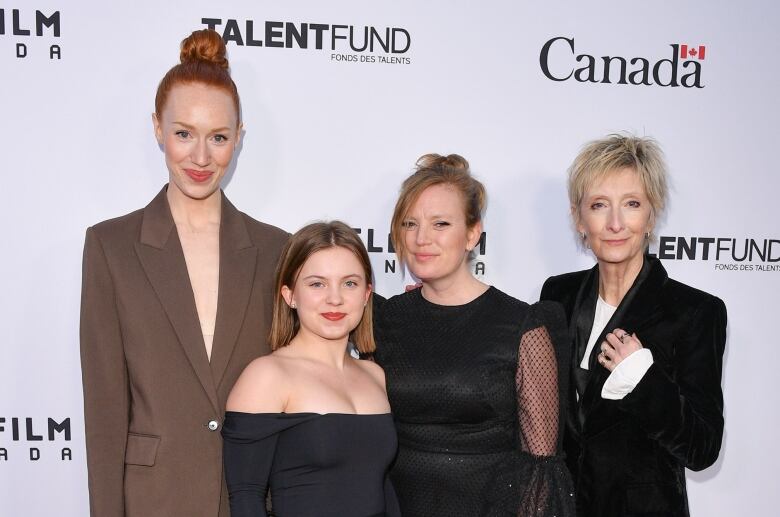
{"x": 339, "y": 99}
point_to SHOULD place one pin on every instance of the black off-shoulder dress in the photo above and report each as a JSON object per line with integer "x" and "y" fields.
{"x": 331, "y": 465}
{"x": 477, "y": 393}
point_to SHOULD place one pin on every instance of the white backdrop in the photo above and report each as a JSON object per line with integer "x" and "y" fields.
{"x": 332, "y": 133}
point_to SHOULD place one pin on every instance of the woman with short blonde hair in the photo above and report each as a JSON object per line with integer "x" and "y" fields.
{"x": 647, "y": 357}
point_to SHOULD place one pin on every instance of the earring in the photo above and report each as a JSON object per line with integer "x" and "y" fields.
{"x": 647, "y": 235}
{"x": 293, "y": 306}
{"x": 583, "y": 235}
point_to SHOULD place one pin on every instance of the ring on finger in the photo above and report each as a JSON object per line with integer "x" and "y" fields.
{"x": 624, "y": 336}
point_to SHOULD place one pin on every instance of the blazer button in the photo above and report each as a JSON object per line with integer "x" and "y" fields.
{"x": 213, "y": 425}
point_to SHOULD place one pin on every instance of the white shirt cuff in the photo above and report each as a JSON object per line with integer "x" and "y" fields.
{"x": 627, "y": 375}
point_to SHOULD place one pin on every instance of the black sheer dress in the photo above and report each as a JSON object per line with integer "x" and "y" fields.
{"x": 476, "y": 393}
{"x": 331, "y": 465}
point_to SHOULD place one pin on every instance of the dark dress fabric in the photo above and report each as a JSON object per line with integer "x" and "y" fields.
{"x": 476, "y": 401}
{"x": 628, "y": 457}
{"x": 331, "y": 465}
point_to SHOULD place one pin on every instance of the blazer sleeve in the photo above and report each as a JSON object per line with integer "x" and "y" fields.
{"x": 105, "y": 383}
{"x": 684, "y": 412}
{"x": 548, "y": 290}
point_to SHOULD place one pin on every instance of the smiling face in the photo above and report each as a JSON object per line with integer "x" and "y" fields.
{"x": 198, "y": 130}
{"x": 436, "y": 236}
{"x": 615, "y": 215}
{"x": 330, "y": 294}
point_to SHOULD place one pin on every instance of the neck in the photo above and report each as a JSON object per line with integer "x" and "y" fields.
{"x": 196, "y": 214}
{"x": 616, "y": 279}
{"x": 331, "y": 352}
{"x": 457, "y": 289}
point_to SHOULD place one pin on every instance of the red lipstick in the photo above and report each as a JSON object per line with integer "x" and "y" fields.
{"x": 333, "y": 316}
{"x": 198, "y": 176}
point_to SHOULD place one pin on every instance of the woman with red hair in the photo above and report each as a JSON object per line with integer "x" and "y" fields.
{"x": 176, "y": 301}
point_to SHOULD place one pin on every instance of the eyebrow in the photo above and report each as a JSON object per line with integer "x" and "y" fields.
{"x": 434, "y": 216}
{"x": 601, "y": 194}
{"x": 187, "y": 126}
{"x": 318, "y": 277}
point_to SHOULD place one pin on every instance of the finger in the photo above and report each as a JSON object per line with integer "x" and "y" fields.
{"x": 613, "y": 340}
{"x": 605, "y": 361}
{"x": 621, "y": 334}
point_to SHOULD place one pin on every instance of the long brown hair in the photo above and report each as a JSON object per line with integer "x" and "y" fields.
{"x": 305, "y": 243}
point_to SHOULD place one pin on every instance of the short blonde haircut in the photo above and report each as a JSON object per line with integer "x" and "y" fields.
{"x": 600, "y": 158}
{"x": 305, "y": 243}
{"x": 434, "y": 169}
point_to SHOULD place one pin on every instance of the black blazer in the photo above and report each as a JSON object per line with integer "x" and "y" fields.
{"x": 628, "y": 457}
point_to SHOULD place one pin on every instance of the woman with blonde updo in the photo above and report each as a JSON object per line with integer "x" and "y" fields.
{"x": 474, "y": 376}
{"x": 176, "y": 301}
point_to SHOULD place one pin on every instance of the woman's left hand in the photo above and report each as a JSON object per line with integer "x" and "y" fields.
{"x": 614, "y": 349}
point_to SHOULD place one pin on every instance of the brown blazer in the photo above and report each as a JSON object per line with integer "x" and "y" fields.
{"x": 153, "y": 403}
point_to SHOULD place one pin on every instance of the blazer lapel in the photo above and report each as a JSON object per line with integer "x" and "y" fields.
{"x": 580, "y": 327}
{"x": 639, "y": 306}
{"x": 161, "y": 256}
{"x": 237, "y": 260}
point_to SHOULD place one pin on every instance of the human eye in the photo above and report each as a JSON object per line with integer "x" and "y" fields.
{"x": 351, "y": 283}
{"x": 596, "y": 205}
{"x": 634, "y": 204}
{"x": 182, "y": 133}
{"x": 409, "y": 225}
{"x": 441, "y": 224}
{"x": 220, "y": 139}
{"x": 316, "y": 284}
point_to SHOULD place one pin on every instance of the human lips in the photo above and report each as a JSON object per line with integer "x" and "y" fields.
{"x": 615, "y": 242}
{"x": 333, "y": 316}
{"x": 197, "y": 175}
{"x": 424, "y": 257}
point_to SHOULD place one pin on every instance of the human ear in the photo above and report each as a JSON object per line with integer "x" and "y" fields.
{"x": 473, "y": 235}
{"x": 157, "y": 128}
{"x": 651, "y": 222}
{"x": 287, "y": 294}
{"x": 575, "y": 215}
{"x": 239, "y": 132}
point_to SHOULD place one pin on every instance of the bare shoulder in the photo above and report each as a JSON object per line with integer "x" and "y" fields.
{"x": 261, "y": 387}
{"x": 372, "y": 369}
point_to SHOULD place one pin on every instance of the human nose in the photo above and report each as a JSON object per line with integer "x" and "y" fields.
{"x": 615, "y": 223}
{"x": 200, "y": 154}
{"x": 421, "y": 237}
{"x": 334, "y": 295}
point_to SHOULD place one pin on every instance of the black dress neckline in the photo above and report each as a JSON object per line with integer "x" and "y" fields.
{"x": 472, "y": 303}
